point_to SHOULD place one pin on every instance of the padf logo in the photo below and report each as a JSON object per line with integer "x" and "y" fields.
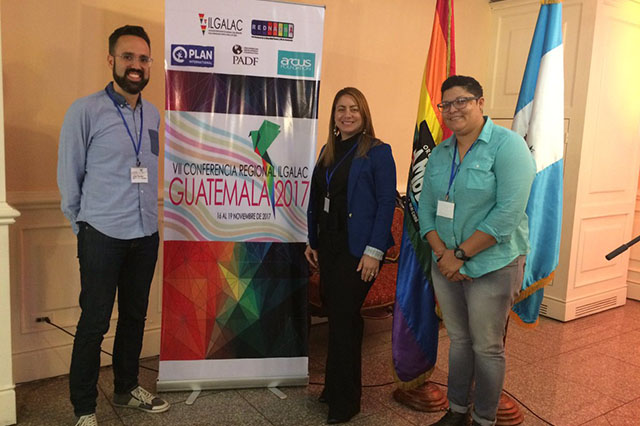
{"x": 299, "y": 64}
{"x": 189, "y": 55}
{"x": 243, "y": 55}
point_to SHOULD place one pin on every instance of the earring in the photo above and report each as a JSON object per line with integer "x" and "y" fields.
{"x": 364, "y": 131}
{"x": 336, "y": 131}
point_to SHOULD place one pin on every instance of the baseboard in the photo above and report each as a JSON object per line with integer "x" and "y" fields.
{"x": 633, "y": 290}
{"x": 567, "y": 310}
{"x": 55, "y": 361}
{"x": 8, "y": 407}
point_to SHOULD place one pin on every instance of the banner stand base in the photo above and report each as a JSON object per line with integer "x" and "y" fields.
{"x": 230, "y": 383}
{"x": 192, "y": 398}
{"x": 277, "y": 392}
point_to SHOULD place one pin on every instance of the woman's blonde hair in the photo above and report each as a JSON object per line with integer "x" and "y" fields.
{"x": 367, "y": 137}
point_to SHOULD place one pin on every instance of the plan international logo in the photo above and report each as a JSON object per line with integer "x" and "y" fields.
{"x": 188, "y": 55}
{"x": 271, "y": 29}
{"x": 298, "y": 64}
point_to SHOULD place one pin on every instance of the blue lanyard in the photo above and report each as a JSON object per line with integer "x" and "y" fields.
{"x": 454, "y": 168}
{"x": 136, "y": 148}
{"x": 329, "y": 176}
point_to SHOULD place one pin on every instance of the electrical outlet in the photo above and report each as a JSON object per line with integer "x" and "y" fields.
{"x": 37, "y": 321}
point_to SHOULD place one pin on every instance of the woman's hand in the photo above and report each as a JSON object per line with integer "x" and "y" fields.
{"x": 436, "y": 244}
{"x": 449, "y": 266}
{"x": 368, "y": 268}
{"x": 312, "y": 257}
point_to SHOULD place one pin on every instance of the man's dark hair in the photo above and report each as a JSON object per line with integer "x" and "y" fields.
{"x": 133, "y": 30}
{"x": 470, "y": 84}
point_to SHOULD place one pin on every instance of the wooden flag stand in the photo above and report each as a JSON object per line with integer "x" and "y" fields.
{"x": 426, "y": 397}
{"x": 429, "y": 398}
{"x": 509, "y": 413}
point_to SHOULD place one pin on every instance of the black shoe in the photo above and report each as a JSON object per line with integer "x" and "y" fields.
{"x": 452, "y": 419}
{"x": 332, "y": 420}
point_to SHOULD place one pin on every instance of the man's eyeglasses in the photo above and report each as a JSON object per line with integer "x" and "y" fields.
{"x": 459, "y": 103}
{"x": 129, "y": 58}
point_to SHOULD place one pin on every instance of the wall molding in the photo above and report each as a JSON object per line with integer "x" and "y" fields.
{"x": 45, "y": 281}
{"x": 7, "y": 214}
{"x": 37, "y": 200}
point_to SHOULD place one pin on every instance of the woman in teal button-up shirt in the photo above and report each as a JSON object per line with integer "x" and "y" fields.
{"x": 472, "y": 213}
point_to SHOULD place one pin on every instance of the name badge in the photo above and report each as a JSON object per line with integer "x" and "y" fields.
{"x": 445, "y": 209}
{"x": 139, "y": 175}
{"x": 326, "y": 204}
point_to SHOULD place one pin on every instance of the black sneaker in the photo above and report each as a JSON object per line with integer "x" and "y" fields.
{"x": 453, "y": 419}
{"x": 142, "y": 400}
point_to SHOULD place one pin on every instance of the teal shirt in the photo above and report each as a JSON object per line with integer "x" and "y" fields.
{"x": 490, "y": 193}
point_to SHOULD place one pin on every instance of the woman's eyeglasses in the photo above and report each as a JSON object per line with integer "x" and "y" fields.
{"x": 459, "y": 103}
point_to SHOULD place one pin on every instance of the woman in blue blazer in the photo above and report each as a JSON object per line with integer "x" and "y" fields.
{"x": 349, "y": 217}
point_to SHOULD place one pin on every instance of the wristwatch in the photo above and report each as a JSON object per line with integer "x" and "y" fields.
{"x": 460, "y": 254}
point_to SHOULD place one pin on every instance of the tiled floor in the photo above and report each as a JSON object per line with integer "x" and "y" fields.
{"x": 584, "y": 372}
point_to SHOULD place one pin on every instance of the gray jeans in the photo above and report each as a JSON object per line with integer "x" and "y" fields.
{"x": 475, "y": 314}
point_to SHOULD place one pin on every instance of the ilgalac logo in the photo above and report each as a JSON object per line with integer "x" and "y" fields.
{"x": 203, "y": 22}
{"x": 262, "y": 140}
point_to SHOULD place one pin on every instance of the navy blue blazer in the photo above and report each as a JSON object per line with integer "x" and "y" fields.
{"x": 371, "y": 198}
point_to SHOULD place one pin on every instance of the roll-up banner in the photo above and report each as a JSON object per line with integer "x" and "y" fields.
{"x": 242, "y": 83}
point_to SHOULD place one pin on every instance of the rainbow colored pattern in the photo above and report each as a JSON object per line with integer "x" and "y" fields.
{"x": 191, "y": 138}
{"x": 415, "y": 324}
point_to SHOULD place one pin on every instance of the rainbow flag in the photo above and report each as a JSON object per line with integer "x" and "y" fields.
{"x": 415, "y": 324}
{"x": 539, "y": 118}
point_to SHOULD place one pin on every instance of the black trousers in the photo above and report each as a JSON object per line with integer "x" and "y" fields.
{"x": 343, "y": 293}
{"x": 107, "y": 264}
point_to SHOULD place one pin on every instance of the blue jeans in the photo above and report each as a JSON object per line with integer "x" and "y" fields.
{"x": 107, "y": 264}
{"x": 475, "y": 314}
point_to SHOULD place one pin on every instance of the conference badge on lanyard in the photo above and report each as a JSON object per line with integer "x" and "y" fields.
{"x": 445, "y": 209}
{"x": 139, "y": 175}
{"x": 329, "y": 176}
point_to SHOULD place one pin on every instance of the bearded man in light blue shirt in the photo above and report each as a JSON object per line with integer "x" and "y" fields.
{"x": 472, "y": 213}
{"x": 108, "y": 180}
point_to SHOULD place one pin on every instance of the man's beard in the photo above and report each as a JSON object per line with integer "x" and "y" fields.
{"x": 131, "y": 87}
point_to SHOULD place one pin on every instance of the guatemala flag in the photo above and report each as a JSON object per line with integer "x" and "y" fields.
{"x": 539, "y": 118}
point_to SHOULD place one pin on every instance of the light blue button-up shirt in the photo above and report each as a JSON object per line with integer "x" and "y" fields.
{"x": 95, "y": 158}
{"x": 490, "y": 193}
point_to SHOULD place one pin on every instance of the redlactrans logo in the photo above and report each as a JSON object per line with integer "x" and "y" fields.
{"x": 272, "y": 29}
